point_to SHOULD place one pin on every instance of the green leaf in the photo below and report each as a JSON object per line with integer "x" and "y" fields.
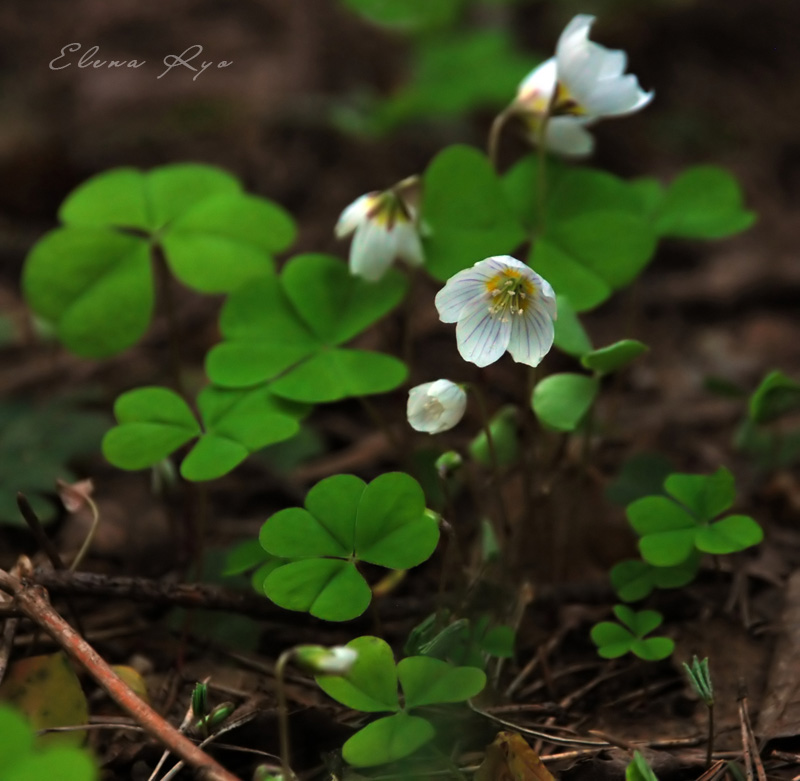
{"x": 499, "y": 641}
{"x": 332, "y": 375}
{"x": 331, "y": 589}
{"x": 669, "y": 548}
{"x": 387, "y": 740}
{"x": 614, "y": 357}
{"x": 560, "y": 401}
{"x": 153, "y": 422}
{"x": 653, "y": 514}
{"x": 286, "y": 329}
{"x": 653, "y": 649}
{"x": 705, "y": 496}
{"x": 243, "y": 557}
{"x": 237, "y": 423}
{"x": 127, "y": 197}
{"x": 639, "y": 770}
{"x": 730, "y": 535}
{"x": 521, "y": 188}
{"x": 612, "y": 640}
{"x": 640, "y": 623}
{"x": 336, "y": 305}
{"x": 428, "y": 681}
{"x": 505, "y": 438}
{"x": 642, "y": 474}
{"x": 93, "y": 285}
{"x": 465, "y": 209}
{"x": 570, "y": 335}
{"x": 407, "y": 15}
{"x": 776, "y": 396}
{"x": 704, "y": 202}
{"x": 392, "y": 528}
{"x": 634, "y": 579}
{"x": 225, "y": 240}
{"x": 596, "y": 238}
{"x": 371, "y": 684}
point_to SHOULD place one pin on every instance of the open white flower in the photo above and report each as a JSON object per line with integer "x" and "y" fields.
{"x": 499, "y": 304}
{"x": 385, "y": 226}
{"x": 434, "y": 407}
{"x": 582, "y": 84}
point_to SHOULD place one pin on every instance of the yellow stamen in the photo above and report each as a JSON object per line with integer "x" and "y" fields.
{"x": 511, "y": 293}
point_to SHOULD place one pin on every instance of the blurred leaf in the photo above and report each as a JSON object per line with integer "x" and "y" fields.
{"x": 561, "y": 401}
{"x": 776, "y": 396}
{"x": 503, "y": 427}
{"x": 704, "y": 202}
{"x": 614, "y": 357}
{"x": 428, "y": 681}
{"x": 407, "y": 15}
{"x": 704, "y": 495}
{"x": 570, "y": 335}
{"x": 387, "y": 740}
{"x": 465, "y": 210}
{"x": 47, "y": 691}
{"x": 642, "y": 474}
{"x": 510, "y": 758}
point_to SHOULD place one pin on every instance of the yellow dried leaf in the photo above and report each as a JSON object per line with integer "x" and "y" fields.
{"x": 133, "y": 679}
{"x": 47, "y": 691}
{"x": 510, "y": 758}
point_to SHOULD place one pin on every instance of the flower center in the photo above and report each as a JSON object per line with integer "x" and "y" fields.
{"x": 388, "y": 210}
{"x": 433, "y": 408}
{"x": 511, "y": 293}
{"x": 565, "y": 104}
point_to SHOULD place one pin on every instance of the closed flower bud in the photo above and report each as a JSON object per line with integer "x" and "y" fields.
{"x": 434, "y": 407}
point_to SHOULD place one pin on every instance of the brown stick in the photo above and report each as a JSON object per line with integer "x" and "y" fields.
{"x": 32, "y": 600}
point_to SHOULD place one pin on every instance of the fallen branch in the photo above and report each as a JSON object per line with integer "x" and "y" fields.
{"x": 31, "y": 600}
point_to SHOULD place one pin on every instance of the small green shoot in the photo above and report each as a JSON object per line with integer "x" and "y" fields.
{"x": 614, "y": 640}
{"x": 639, "y": 769}
{"x": 700, "y": 680}
{"x": 776, "y": 396}
{"x": 346, "y": 521}
{"x": 371, "y": 686}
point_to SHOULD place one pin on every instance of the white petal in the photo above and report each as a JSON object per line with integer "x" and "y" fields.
{"x": 409, "y": 246}
{"x": 613, "y": 64}
{"x": 537, "y": 87}
{"x": 462, "y": 290}
{"x": 566, "y": 136}
{"x": 572, "y": 50}
{"x": 353, "y": 215}
{"x": 434, "y": 407}
{"x": 482, "y": 338}
{"x": 372, "y": 251}
{"x": 532, "y": 336}
{"x": 615, "y": 97}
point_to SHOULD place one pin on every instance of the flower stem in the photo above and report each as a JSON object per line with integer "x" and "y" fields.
{"x": 495, "y": 462}
{"x": 283, "y": 713}
{"x": 541, "y": 174}
{"x": 710, "y": 746}
{"x": 493, "y": 145}
{"x": 87, "y": 543}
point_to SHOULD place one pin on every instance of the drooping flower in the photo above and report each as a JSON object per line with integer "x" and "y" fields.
{"x": 499, "y": 304}
{"x": 385, "y": 227}
{"x": 319, "y": 660}
{"x": 583, "y": 83}
{"x": 434, "y": 407}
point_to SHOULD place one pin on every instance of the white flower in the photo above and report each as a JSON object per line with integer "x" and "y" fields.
{"x": 337, "y": 660}
{"x": 583, "y": 83}
{"x": 499, "y": 304}
{"x": 434, "y": 407}
{"x": 385, "y": 226}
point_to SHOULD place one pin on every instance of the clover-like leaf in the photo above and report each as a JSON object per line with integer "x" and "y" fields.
{"x": 729, "y": 535}
{"x": 153, "y": 422}
{"x": 634, "y": 579}
{"x": 560, "y": 401}
{"x": 332, "y": 589}
{"x": 371, "y": 684}
{"x": 223, "y": 241}
{"x": 570, "y": 335}
{"x": 382, "y": 523}
{"x": 706, "y": 496}
{"x": 613, "y": 640}
{"x": 93, "y": 278}
{"x": 465, "y": 209}
{"x": 703, "y": 202}
{"x": 614, "y": 357}
{"x": 94, "y": 285}
{"x": 776, "y": 396}
{"x": 289, "y": 329}
{"x": 427, "y": 681}
{"x": 667, "y": 530}
{"x": 387, "y": 740}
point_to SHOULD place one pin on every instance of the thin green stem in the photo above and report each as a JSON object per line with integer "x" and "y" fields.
{"x": 493, "y": 145}
{"x": 541, "y": 175}
{"x": 283, "y": 713}
{"x": 495, "y": 463}
{"x": 170, "y": 310}
{"x": 710, "y": 746}
{"x": 87, "y": 543}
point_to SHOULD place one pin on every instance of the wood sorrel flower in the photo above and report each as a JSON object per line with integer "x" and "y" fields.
{"x": 434, "y": 407}
{"x": 583, "y": 83}
{"x": 385, "y": 226}
{"x": 319, "y": 660}
{"x": 499, "y": 304}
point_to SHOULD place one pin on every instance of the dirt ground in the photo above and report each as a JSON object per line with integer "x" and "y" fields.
{"x": 727, "y": 83}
